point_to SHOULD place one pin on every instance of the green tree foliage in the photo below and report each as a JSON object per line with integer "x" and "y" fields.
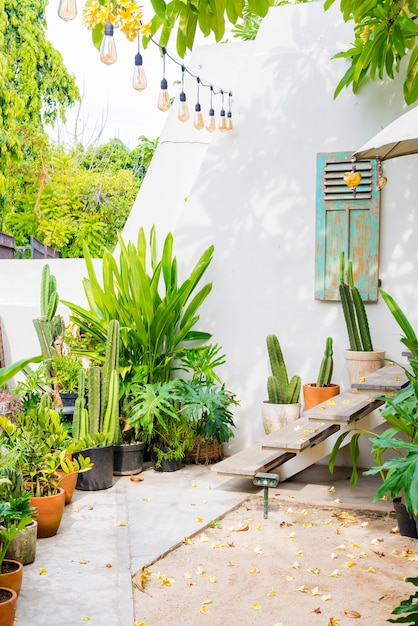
{"x": 187, "y": 15}
{"x": 385, "y": 31}
{"x": 35, "y": 86}
{"x": 68, "y": 197}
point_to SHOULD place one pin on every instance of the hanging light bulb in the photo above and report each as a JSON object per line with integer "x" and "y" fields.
{"x": 222, "y": 117}
{"x": 183, "y": 111}
{"x": 211, "y": 125}
{"x": 108, "y": 49}
{"x": 164, "y": 99}
{"x": 139, "y": 80}
{"x": 198, "y": 117}
{"x": 67, "y": 10}
{"x": 229, "y": 124}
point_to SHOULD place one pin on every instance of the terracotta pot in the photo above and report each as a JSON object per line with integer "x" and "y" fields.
{"x": 277, "y": 416}
{"x": 23, "y": 546}
{"x": 361, "y": 364}
{"x": 50, "y": 510}
{"x": 8, "y": 599}
{"x": 68, "y": 483}
{"x": 11, "y": 575}
{"x": 314, "y": 395}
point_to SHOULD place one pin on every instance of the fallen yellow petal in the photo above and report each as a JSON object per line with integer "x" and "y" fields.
{"x": 84, "y": 562}
{"x": 256, "y": 606}
{"x": 304, "y": 512}
{"x": 303, "y": 589}
{"x": 199, "y": 519}
{"x": 121, "y": 524}
{"x": 258, "y": 550}
{"x": 194, "y": 484}
{"x": 204, "y": 609}
{"x": 371, "y": 570}
{"x": 308, "y": 525}
{"x": 259, "y": 527}
{"x": 289, "y": 577}
{"x": 42, "y": 571}
{"x": 292, "y": 536}
{"x": 295, "y": 565}
{"x": 207, "y": 601}
{"x": 313, "y": 570}
{"x": 333, "y": 622}
{"x": 187, "y": 541}
{"x": 340, "y": 547}
{"x": 299, "y": 553}
{"x": 315, "y": 591}
{"x": 272, "y": 592}
{"x": 254, "y": 570}
{"x": 200, "y": 571}
{"x": 204, "y": 538}
{"x": 349, "y": 564}
{"x": 86, "y": 618}
{"x": 334, "y": 574}
{"x": 231, "y": 564}
{"x": 211, "y": 579}
{"x": 109, "y": 565}
{"x": 331, "y": 489}
{"x": 140, "y": 624}
{"x": 326, "y": 598}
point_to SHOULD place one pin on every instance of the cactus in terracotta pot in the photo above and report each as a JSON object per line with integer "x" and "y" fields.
{"x": 327, "y": 365}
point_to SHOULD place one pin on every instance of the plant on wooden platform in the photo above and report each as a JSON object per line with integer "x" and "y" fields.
{"x": 280, "y": 389}
{"x": 323, "y": 389}
{"x": 354, "y": 311}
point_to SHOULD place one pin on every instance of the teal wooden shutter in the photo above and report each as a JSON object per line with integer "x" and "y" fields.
{"x": 346, "y": 221}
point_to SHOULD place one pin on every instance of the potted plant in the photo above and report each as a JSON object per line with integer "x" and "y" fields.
{"x": 22, "y": 547}
{"x": 206, "y": 402}
{"x": 15, "y": 515}
{"x": 65, "y": 369}
{"x": 8, "y": 601}
{"x": 283, "y": 404}
{"x": 361, "y": 358}
{"x": 28, "y": 447}
{"x": 399, "y": 473}
{"x": 97, "y": 426}
{"x": 158, "y": 420}
{"x": 323, "y": 389}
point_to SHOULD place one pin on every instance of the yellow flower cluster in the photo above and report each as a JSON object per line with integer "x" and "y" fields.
{"x": 124, "y": 15}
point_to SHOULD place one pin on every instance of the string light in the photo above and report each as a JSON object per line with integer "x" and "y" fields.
{"x": 108, "y": 48}
{"x": 183, "y": 111}
{"x": 67, "y": 10}
{"x": 229, "y": 124}
{"x": 164, "y": 99}
{"x": 222, "y": 116}
{"x": 211, "y": 125}
{"x": 198, "y": 118}
{"x": 139, "y": 80}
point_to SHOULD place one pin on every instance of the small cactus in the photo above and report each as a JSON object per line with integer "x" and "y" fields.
{"x": 327, "y": 365}
{"x": 280, "y": 389}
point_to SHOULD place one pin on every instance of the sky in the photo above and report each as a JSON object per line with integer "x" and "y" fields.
{"x": 110, "y": 106}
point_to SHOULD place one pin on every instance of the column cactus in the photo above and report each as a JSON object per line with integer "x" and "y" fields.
{"x": 327, "y": 365}
{"x": 280, "y": 389}
{"x": 354, "y": 311}
{"x": 100, "y": 422}
{"x": 49, "y": 327}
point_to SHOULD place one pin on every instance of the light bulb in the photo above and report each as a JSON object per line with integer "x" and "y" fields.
{"x": 108, "y": 49}
{"x": 164, "y": 99}
{"x": 139, "y": 80}
{"x": 211, "y": 125}
{"x": 67, "y": 10}
{"x": 222, "y": 120}
{"x": 229, "y": 124}
{"x": 199, "y": 122}
{"x": 183, "y": 112}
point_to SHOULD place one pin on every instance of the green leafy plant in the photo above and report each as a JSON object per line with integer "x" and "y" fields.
{"x": 66, "y": 369}
{"x": 327, "y": 365}
{"x": 280, "y": 389}
{"x": 354, "y": 311}
{"x": 157, "y": 314}
{"x": 38, "y": 445}
{"x": 410, "y": 606}
{"x": 15, "y": 515}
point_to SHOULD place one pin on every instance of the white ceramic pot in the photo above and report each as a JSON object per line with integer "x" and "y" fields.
{"x": 361, "y": 364}
{"x": 277, "y": 416}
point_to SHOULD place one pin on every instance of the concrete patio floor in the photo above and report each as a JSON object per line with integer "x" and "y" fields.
{"x": 84, "y": 572}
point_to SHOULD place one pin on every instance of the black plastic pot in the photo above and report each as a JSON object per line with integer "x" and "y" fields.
{"x": 407, "y": 525}
{"x": 128, "y": 458}
{"x": 167, "y": 465}
{"x": 100, "y": 476}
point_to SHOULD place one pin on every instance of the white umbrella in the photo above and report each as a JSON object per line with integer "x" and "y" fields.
{"x": 398, "y": 139}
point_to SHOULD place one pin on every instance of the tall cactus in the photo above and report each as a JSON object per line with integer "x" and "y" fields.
{"x": 50, "y": 327}
{"x": 327, "y": 365}
{"x": 102, "y": 417}
{"x": 280, "y": 389}
{"x": 354, "y": 311}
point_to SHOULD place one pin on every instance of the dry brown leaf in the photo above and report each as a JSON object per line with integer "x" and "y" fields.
{"x": 136, "y": 478}
{"x": 352, "y": 614}
{"x": 317, "y": 610}
{"x": 139, "y": 579}
{"x": 240, "y": 530}
{"x": 345, "y": 518}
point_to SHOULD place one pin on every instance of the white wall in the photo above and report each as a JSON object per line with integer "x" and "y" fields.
{"x": 252, "y": 194}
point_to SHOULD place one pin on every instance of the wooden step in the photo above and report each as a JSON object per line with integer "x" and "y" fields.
{"x": 387, "y": 380}
{"x": 346, "y": 407}
{"x": 299, "y": 435}
{"x": 252, "y": 460}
